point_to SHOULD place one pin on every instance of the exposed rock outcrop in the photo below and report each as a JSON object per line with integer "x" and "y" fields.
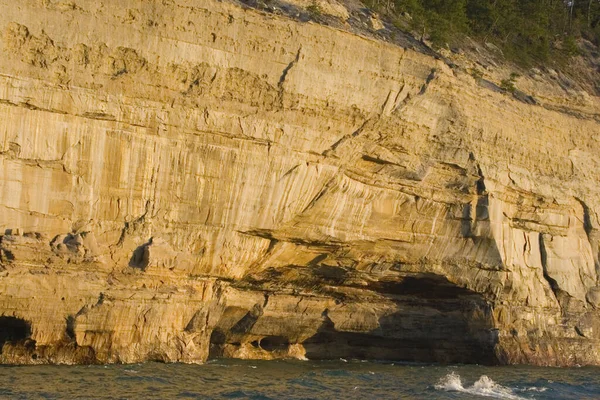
{"x": 188, "y": 179}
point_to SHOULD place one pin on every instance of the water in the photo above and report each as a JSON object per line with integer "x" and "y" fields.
{"x": 235, "y": 379}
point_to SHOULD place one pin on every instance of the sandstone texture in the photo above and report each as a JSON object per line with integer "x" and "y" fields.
{"x": 189, "y": 179}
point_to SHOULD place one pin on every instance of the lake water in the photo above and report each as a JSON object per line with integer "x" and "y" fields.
{"x": 235, "y": 379}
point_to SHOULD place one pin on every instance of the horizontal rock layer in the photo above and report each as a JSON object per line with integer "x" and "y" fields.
{"x": 191, "y": 179}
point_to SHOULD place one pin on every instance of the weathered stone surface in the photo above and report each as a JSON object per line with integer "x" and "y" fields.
{"x": 190, "y": 179}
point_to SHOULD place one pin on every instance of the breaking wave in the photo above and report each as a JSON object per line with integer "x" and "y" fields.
{"x": 484, "y": 386}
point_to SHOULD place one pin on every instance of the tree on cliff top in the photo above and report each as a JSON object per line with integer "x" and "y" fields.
{"x": 528, "y": 31}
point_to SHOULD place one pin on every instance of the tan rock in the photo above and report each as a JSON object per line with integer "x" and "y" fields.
{"x": 189, "y": 179}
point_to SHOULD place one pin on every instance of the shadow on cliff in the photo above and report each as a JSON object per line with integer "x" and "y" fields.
{"x": 434, "y": 322}
{"x": 430, "y": 320}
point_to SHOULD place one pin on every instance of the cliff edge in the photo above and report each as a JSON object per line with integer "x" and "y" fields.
{"x": 189, "y": 179}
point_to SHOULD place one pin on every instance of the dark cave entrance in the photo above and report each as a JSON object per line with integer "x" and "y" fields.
{"x": 435, "y": 321}
{"x": 273, "y": 343}
{"x": 13, "y": 329}
{"x": 420, "y": 317}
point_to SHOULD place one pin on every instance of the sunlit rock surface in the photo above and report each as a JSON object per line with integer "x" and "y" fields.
{"x": 182, "y": 180}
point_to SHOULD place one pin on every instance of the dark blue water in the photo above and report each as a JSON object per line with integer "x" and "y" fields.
{"x": 234, "y": 379}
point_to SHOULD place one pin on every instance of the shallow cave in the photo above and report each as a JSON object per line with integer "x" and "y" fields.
{"x": 435, "y": 321}
{"x": 273, "y": 343}
{"x": 13, "y": 329}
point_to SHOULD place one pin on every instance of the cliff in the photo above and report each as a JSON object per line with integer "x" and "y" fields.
{"x": 188, "y": 179}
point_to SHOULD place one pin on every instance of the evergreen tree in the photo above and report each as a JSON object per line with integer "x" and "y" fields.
{"x": 528, "y": 31}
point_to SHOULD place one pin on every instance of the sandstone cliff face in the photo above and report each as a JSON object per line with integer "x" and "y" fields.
{"x": 189, "y": 179}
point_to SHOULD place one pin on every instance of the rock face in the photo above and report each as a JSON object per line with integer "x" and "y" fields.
{"x": 189, "y": 179}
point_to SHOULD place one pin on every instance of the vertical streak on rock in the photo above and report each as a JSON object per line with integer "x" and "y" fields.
{"x": 544, "y": 260}
{"x": 589, "y": 231}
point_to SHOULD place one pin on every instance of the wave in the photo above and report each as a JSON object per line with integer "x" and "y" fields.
{"x": 484, "y": 387}
{"x": 534, "y": 389}
{"x": 130, "y": 371}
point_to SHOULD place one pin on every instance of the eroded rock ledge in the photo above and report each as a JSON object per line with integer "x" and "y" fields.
{"x": 189, "y": 179}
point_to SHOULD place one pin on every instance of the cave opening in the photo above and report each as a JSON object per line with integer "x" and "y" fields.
{"x": 13, "y": 329}
{"x": 273, "y": 343}
{"x": 435, "y": 321}
{"x": 413, "y": 318}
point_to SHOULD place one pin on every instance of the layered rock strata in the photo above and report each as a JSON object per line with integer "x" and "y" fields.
{"x": 189, "y": 179}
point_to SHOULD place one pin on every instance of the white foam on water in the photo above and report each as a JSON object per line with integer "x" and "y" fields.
{"x": 484, "y": 387}
{"x": 534, "y": 389}
{"x": 130, "y": 371}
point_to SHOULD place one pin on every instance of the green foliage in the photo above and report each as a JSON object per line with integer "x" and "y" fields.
{"x": 476, "y": 74}
{"x": 528, "y": 31}
{"x": 569, "y": 46}
{"x": 440, "y": 19}
{"x": 314, "y": 9}
{"x": 509, "y": 83}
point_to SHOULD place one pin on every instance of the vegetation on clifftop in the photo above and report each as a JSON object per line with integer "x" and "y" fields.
{"x": 527, "y": 31}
